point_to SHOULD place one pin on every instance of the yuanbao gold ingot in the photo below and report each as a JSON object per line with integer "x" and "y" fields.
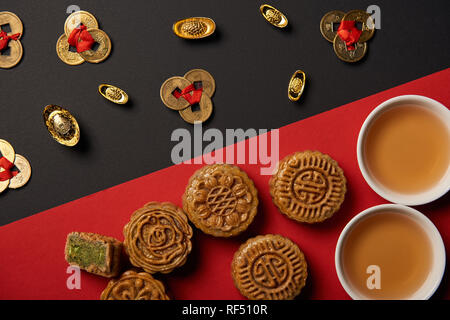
{"x": 194, "y": 28}
{"x": 273, "y": 16}
{"x": 296, "y": 85}
{"x": 62, "y": 125}
{"x": 113, "y": 93}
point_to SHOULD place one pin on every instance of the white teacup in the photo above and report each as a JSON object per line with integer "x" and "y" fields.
{"x": 437, "y": 268}
{"x": 435, "y": 192}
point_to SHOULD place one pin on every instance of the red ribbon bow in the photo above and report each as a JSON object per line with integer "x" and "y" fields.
{"x": 4, "y": 39}
{"x": 349, "y": 33}
{"x": 186, "y": 94}
{"x": 81, "y": 39}
{"x": 7, "y": 165}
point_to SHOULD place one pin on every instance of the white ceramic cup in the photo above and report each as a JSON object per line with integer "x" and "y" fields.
{"x": 435, "y": 192}
{"x": 437, "y": 246}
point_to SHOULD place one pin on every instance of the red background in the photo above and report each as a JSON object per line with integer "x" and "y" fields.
{"x": 32, "y": 250}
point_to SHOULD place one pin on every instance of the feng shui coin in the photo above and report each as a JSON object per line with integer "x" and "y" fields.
{"x": 168, "y": 88}
{"x": 201, "y": 115}
{"x": 273, "y": 16}
{"x": 7, "y": 150}
{"x": 368, "y": 25}
{"x": 62, "y": 125}
{"x": 340, "y": 48}
{"x": 203, "y": 76}
{"x": 194, "y": 28}
{"x": 24, "y": 174}
{"x": 77, "y": 18}
{"x": 327, "y": 24}
{"x": 102, "y": 51}
{"x": 15, "y": 55}
{"x": 269, "y": 267}
{"x": 64, "y": 53}
{"x": 113, "y": 94}
{"x": 15, "y": 24}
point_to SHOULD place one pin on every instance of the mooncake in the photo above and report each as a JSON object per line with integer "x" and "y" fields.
{"x": 308, "y": 186}
{"x": 221, "y": 200}
{"x": 94, "y": 253}
{"x": 269, "y": 267}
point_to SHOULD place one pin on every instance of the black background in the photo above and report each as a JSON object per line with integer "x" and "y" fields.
{"x": 251, "y": 61}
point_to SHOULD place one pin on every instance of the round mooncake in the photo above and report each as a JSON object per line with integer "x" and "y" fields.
{"x": 308, "y": 186}
{"x": 220, "y": 200}
{"x": 134, "y": 286}
{"x": 269, "y": 267}
{"x": 158, "y": 237}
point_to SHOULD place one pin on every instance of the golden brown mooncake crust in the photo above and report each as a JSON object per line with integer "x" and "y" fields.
{"x": 158, "y": 237}
{"x": 134, "y": 286}
{"x": 221, "y": 200}
{"x": 269, "y": 267}
{"x": 113, "y": 256}
{"x": 308, "y": 186}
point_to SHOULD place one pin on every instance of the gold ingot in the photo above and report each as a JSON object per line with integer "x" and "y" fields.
{"x": 15, "y": 24}
{"x": 64, "y": 53}
{"x": 296, "y": 85}
{"x": 79, "y": 17}
{"x": 194, "y": 28}
{"x": 24, "y": 174}
{"x": 113, "y": 93}
{"x": 103, "y": 50}
{"x": 62, "y": 125}
{"x": 273, "y": 16}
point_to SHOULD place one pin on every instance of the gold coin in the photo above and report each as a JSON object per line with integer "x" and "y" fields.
{"x": 207, "y": 80}
{"x": 296, "y": 85}
{"x": 113, "y": 93}
{"x": 273, "y": 16}
{"x": 24, "y": 174}
{"x": 194, "y": 28}
{"x": 14, "y": 56}
{"x": 167, "y": 89}
{"x": 62, "y": 125}
{"x": 67, "y": 56}
{"x": 103, "y": 50}
{"x": 201, "y": 115}
{"x": 340, "y": 48}
{"x": 368, "y": 25}
{"x": 77, "y": 18}
{"x": 15, "y": 24}
{"x": 327, "y": 23}
{"x": 7, "y": 150}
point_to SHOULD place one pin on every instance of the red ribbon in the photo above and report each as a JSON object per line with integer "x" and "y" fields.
{"x": 349, "y": 33}
{"x": 7, "y": 165}
{"x": 186, "y": 94}
{"x": 4, "y": 39}
{"x": 81, "y": 39}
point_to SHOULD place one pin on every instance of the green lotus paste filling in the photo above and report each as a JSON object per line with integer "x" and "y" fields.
{"x": 86, "y": 253}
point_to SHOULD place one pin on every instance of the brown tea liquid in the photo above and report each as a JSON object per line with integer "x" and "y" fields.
{"x": 407, "y": 149}
{"x": 395, "y": 243}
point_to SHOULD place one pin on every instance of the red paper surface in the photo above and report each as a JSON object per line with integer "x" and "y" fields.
{"x": 32, "y": 250}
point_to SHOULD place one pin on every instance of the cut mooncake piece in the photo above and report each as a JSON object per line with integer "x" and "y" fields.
{"x": 94, "y": 253}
